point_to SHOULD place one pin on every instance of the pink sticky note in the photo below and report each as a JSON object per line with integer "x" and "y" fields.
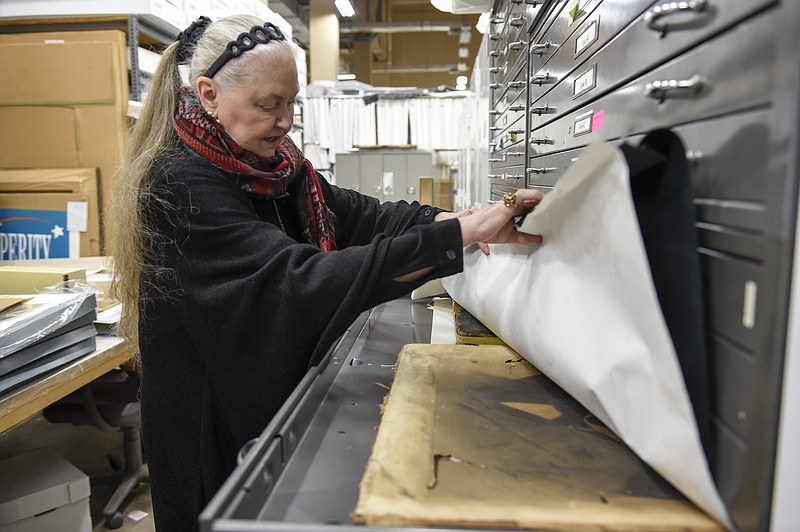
{"x": 597, "y": 119}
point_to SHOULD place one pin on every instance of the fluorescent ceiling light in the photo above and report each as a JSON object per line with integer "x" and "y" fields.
{"x": 443, "y": 5}
{"x": 345, "y": 8}
{"x": 345, "y": 77}
{"x": 461, "y": 80}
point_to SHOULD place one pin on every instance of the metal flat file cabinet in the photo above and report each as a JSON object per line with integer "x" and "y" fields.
{"x": 389, "y": 175}
{"x": 718, "y": 74}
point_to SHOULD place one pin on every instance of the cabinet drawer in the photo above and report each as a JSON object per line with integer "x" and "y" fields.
{"x": 515, "y": 84}
{"x": 546, "y": 43}
{"x": 732, "y": 286}
{"x": 509, "y": 135}
{"x": 731, "y": 174}
{"x": 511, "y": 156}
{"x": 600, "y": 26}
{"x": 638, "y": 48}
{"x": 547, "y": 169}
{"x": 507, "y": 181}
{"x": 728, "y": 74}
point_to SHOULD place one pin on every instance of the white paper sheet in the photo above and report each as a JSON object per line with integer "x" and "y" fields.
{"x": 583, "y": 309}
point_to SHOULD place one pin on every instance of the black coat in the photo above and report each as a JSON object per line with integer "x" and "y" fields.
{"x": 243, "y": 310}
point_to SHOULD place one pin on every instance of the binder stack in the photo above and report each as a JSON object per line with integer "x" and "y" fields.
{"x": 40, "y": 333}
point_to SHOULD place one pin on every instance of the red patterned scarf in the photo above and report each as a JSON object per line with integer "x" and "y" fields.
{"x": 266, "y": 178}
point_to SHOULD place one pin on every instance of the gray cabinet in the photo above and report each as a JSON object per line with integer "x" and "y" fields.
{"x": 389, "y": 175}
{"x": 716, "y": 73}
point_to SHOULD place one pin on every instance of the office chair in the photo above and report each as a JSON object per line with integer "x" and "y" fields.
{"x": 111, "y": 404}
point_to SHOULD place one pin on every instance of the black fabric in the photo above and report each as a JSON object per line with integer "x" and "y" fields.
{"x": 662, "y": 193}
{"x": 230, "y": 331}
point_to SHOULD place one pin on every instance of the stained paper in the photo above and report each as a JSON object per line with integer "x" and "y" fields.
{"x": 583, "y": 309}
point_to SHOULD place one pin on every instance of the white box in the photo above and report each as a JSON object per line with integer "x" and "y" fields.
{"x": 42, "y": 491}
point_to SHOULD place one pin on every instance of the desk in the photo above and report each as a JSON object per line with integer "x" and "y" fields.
{"x": 23, "y": 402}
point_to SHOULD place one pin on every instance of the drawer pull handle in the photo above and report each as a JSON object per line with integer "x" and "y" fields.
{"x": 515, "y": 153}
{"x": 540, "y": 110}
{"x": 495, "y": 112}
{"x": 495, "y": 70}
{"x": 517, "y": 21}
{"x": 516, "y": 45}
{"x": 540, "y": 48}
{"x": 533, "y": 3}
{"x": 494, "y": 36}
{"x": 494, "y": 85}
{"x": 495, "y": 128}
{"x": 516, "y": 84}
{"x": 516, "y": 108}
{"x": 494, "y": 53}
{"x": 516, "y": 131}
{"x": 542, "y": 140}
{"x": 653, "y": 16}
{"x": 539, "y": 79}
{"x": 659, "y": 90}
{"x": 495, "y": 160}
{"x": 543, "y": 170}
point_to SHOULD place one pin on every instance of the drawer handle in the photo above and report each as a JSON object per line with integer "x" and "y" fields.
{"x": 533, "y": 3}
{"x": 494, "y": 36}
{"x": 495, "y": 112}
{"x": 659, "y": 90}
{"x": 517, "y": 21}
{"x": 494, "y": 85}
{"x": 540, "y": 110}
{"x": 516, "y": 108}
{"x": 495, "y": 160}
{"x": 539, "y": 79}
{"x": 540, "y": 48}
{"x": 516, "y": 131}
{"x": 542, "y": 140}
{"x": 516, "y": 45}
{"x": 494, "y": 53}
{"x": 515, "y": 154}
{"x": 653, "y": 16}
{"x": 543, "y": 170}
{"x": 516, "y": 84}
{"x": 495, "y": 128}
{"x": 495, "y": 70}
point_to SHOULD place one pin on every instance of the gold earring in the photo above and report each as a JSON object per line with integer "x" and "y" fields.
{"x": 210, "y": 115}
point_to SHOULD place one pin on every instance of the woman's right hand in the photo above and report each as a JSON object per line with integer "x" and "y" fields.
{"x": 495, "y": 224}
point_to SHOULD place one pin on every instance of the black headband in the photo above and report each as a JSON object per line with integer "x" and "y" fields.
{"x": 188, "y": 39}
{"x": 245, "y": 41}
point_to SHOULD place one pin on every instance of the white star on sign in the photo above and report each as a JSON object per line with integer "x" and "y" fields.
{"x": 57, "y": 231}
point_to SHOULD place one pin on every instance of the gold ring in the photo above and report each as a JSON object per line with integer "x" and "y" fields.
{"x": 510, "y": 200}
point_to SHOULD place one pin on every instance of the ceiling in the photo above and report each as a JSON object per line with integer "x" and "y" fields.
{"x": 411, "y": 43}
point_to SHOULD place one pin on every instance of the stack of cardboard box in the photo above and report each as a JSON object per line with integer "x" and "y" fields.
{"x": 63, "y": 102}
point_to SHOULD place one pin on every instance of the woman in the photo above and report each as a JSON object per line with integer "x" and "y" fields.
{"x": 238, "y": 264}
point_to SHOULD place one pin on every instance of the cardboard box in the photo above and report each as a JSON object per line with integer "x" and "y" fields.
{"x": 64, "y": 137}
{"x": 44, "y": 226}
{"x": 34, "y": 279}
{"x": 426, "y": 190}
{"x": 115, "y": 37}
{"x": 58, "y": 74}
{"x": 60, "y": 180}
{"x": 42, "y": 491}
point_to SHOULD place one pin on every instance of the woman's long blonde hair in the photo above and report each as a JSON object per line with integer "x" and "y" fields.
{"x": 128, "y": 236}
